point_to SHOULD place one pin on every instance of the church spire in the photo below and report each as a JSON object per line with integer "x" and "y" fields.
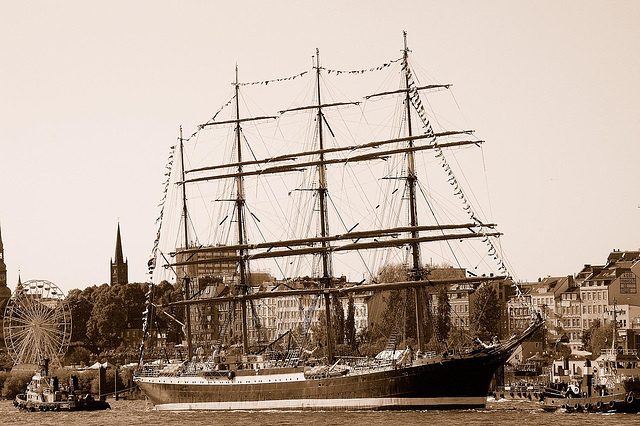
{"x": 1, "y": 247}
{"x": 119, "y": 267}
{"x": 3, "y": 266}
{"x": 119, "y": 256}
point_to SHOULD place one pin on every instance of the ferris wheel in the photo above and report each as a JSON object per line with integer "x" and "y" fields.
{"x": 37, "y": 323}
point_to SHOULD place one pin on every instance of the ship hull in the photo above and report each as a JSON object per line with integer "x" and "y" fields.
{"x": 445, "y": 383}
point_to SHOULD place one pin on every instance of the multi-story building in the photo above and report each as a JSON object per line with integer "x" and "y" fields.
{"x": 594, "y": 293}
{"x": 204, "y": 281}
{"x": 573, "y": 305}
{"x": 570, "y": 315}
{"x": 296, "y": 312}
{"x": 519, "y": 312}
{"x": 604, "y": 285}
{"x": 546, "y": 298}
{"x": 461, "y": 298}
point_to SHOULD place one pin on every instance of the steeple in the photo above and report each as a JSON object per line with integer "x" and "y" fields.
{"x": 3, "y": 266}
{"x": 119, "y": 256}
{"x": 5, "y": 292}
{"x": 119, "y": 267}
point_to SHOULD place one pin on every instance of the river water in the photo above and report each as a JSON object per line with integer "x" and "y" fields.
{"x": 128, "y": 413}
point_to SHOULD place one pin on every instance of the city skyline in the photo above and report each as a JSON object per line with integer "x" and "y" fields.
{"x": 93, "y": 96}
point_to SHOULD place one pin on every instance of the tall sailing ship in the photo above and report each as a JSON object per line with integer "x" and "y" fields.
{"x": 270, "y": 201}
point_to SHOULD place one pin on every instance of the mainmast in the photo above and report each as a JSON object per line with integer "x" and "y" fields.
{"x": 186, "y": 278}
{"x": 240, "y": 201}
{"x": 327, "y": 273}
{"x": 416, "y": 265}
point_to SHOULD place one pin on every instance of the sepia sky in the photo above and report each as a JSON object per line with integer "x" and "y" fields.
{"x": 92, "y": 94}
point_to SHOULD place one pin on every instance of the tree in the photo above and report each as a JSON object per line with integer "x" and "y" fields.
{"x": 399, "y": 313}
{"x": 598, "y": 337}
{"x": 81, "y": 307}
{"x": 485, "y": 312}
{"x": 337, "y": 320}
{"x": 15, "y": 383}
{"x": 77, "y": 355}
{"x": 132, "y": 297}
{"x": 443, "y": 315}
{"x": 108, "y": 319}
{"x": 350, "y": 324}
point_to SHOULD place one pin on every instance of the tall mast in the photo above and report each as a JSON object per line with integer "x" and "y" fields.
{"x": 416, "y": 265}
{"x": 185, "y": 278}
{"x": 242, "y": 263}
{"x": 327, "y": 273}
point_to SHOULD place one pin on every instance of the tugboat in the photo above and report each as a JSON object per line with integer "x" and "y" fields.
{"x": 45, "y": 393}
{"x": 616, "y": 387}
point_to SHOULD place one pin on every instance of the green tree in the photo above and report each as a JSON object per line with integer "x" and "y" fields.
{"x": 77, "y": 355}
{"x": 399, "y": 314}
{"x": 108, "y": 319}
{"x": 132, "y": 297}
{"x": 350, "y": 323}
{"x": 81, "y": 307}
{"x": 337, "y": 320}
{"x": 485, "y": 312}
{"x": 443, "y": 314}
{"x": 15, "y": 383}
{"x": 598, "y": 336}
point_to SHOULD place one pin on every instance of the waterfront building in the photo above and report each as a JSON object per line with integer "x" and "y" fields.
{"x": 570, "y": 315}
{"x": 546, "y": 299}
{"x": 519, "y": 311}
{"x": 462, "y": 297}
{"x": 572, "y": 305}
{"x": 615, "y": 281}
{"x": 207, "y": 280}
{"x": 294, "y": 313}
{"x": 119, "y": 267}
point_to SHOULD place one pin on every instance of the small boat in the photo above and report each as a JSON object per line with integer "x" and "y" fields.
{"x": 617, "y": 402}
{"x": 613, "y": 386}
{"x": 45, "y": 393}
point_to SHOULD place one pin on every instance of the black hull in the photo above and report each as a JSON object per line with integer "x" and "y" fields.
{"x": 448, "y": 383}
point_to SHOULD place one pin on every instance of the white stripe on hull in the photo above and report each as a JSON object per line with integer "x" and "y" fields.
{"x": 331, "y": 404}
